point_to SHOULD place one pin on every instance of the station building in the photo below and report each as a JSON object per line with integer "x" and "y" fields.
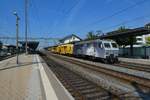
{"x": 7, "y": 49}
{"x": 70, "y": 38}
{"x": 139, "y": 49}
{"x": 141, "y": 40}
{"x": 31, "y": 45}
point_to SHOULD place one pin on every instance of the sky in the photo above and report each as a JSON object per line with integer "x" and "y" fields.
{"x": 59, "y": 18}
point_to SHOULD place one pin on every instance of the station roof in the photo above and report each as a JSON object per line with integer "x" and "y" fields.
{"x": 31, "y": 44}
{"x": 69, "y": 36}
{"x": 9, "y": 45}
{"x": 130, "y": 32}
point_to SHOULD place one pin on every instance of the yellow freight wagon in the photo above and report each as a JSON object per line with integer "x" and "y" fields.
{"x": 66, "y": 49}
{"x": 54, "y": 49}
{"x": 62, "y": 50}
{"x": 69, "y": 49}
{"x": 57, "y": 49}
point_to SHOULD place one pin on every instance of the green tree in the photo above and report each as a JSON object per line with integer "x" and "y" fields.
{"x": 148, "y": 40}
{"x": 122, "y": 29}
{"x": 147, "y": 26}
{"x": 99, "y": 33}
{"x": 91, "y": 35}
{"x": 124, "y": 41}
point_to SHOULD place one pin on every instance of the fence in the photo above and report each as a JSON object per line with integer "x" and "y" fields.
{"x": 138, "y": 52}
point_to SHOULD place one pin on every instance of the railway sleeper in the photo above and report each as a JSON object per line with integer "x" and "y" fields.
{"x": 78, "y": 83}
{"x": 86, "y": 91}
{"x": 74, "y": 88}
{"x": 97, "y": 94}
{"x": 81, "y": 85}
{"x": 100, "y": 98}
{"x": 86, "y": 87}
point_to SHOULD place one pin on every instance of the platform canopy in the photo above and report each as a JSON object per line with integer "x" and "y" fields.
{"x": 31, "y": 44}
{"x": 128, "y": 33}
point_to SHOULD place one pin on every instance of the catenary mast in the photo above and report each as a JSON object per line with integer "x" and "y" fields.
{"x": 26, "y": 27}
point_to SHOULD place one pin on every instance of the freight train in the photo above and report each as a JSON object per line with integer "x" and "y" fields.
{"x": 106, "y": 50}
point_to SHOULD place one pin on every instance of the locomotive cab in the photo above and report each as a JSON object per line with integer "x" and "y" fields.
{"x": 105, "y": 50}
{"x": 111, "y": 51}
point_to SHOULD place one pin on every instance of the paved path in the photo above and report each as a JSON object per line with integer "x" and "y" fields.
{"x": 20, "y": 82}
{"x": 31, "y": 79}
{"x": 138, "y": 61}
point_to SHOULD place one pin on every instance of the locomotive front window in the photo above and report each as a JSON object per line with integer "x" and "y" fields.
{"x": 107, "y": 45}
{"x": 114, "y": 45}
{"x": 100, "y": 45}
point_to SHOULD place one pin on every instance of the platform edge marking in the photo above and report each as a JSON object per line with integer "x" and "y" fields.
{"x": 49, "y": 91}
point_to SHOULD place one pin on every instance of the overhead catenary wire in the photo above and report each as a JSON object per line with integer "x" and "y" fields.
{"x": 60, "y": 7}
{"x": 66, "y": 13}
{"x": 100, "y": 20}
{"x": 116, "y": 13}
{"x": 127, "y": 21}
{"x": 59, "y": 10}
{"x": 69, "y": 11}
{"x": 34, "y": 5}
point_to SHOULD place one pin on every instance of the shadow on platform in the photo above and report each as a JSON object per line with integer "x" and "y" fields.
{"x": 20, "y": 65}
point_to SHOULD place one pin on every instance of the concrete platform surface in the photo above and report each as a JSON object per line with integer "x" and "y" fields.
{"x": 138, "y": 61}
{"x": 28, "y": 80}
{"x": 20, "y": 82}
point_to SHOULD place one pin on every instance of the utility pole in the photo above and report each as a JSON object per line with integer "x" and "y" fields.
{"x": 17, "y": 33}
{"x": 26, "y": 25}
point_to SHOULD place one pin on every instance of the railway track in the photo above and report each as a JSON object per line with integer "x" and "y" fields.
{"x": 140, "y": 83}
{"x": 79, "y": 87}
{"x": 140, "y": 80}
{"x": 139, "y": 67}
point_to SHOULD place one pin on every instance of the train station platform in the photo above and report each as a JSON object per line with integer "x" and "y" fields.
{"x": 136, "y": 61}
{"x": 29, "y": 81}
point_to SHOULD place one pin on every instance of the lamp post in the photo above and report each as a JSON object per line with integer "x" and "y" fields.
{"x": 17, "y": 32}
